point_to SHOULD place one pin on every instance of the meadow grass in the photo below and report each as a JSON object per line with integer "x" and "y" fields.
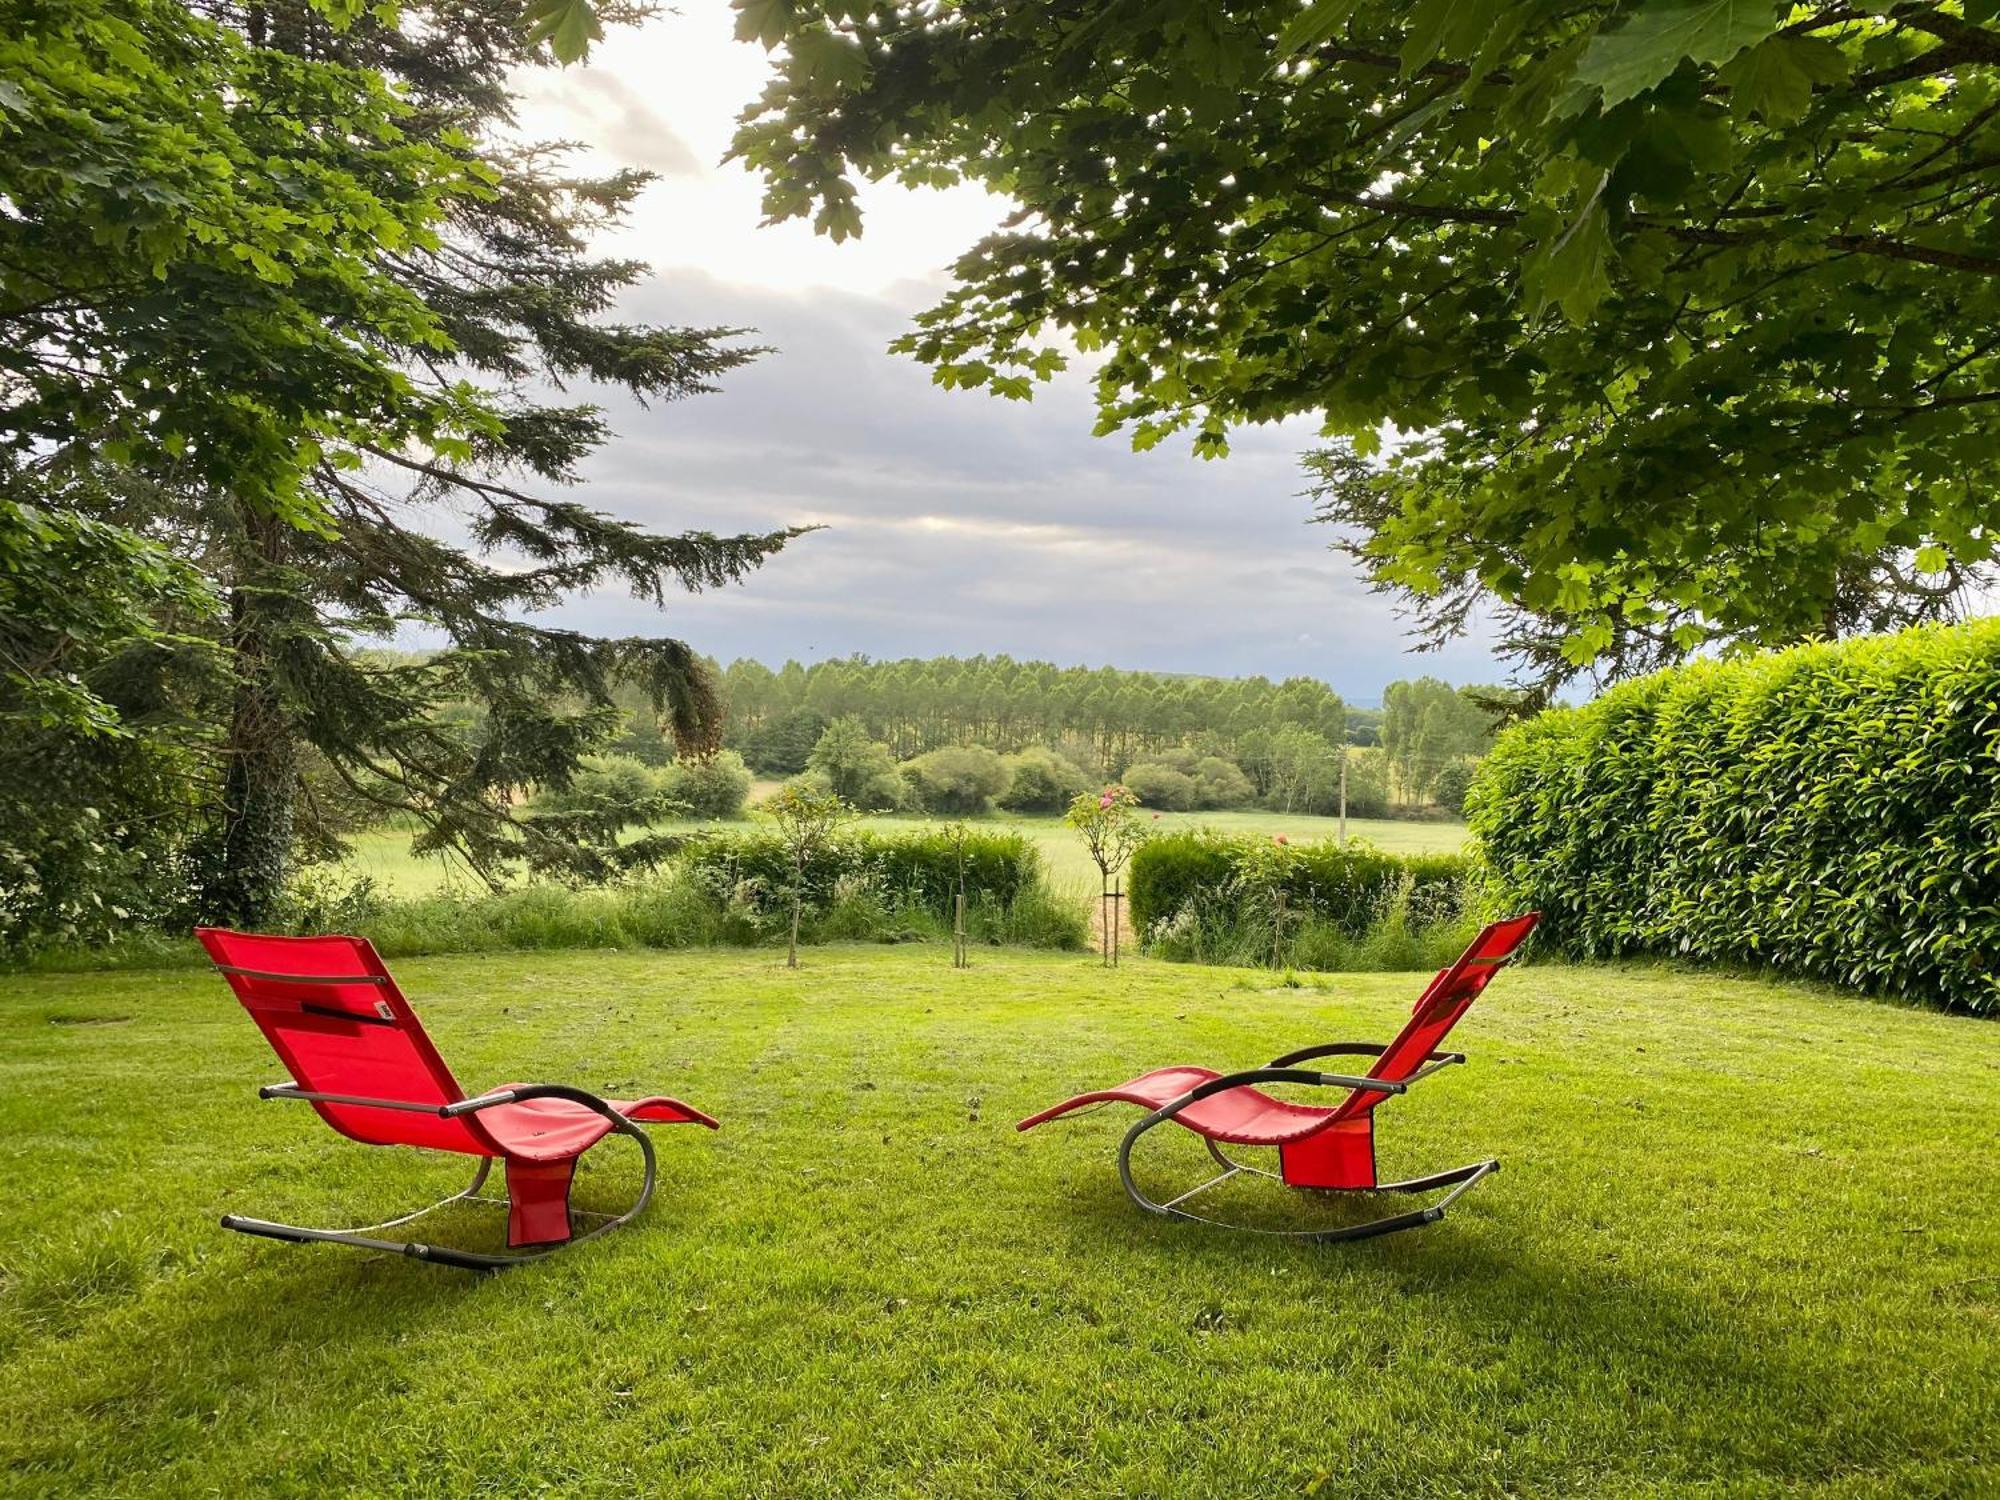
{"x": 383, "y": 854}
{"x": 1745, "y": 1242}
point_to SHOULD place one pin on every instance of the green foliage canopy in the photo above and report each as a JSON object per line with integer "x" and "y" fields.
{"x": 1688, "y": 305}
{"x": 1429, "y": 728}
{"x": 192, "y": 265}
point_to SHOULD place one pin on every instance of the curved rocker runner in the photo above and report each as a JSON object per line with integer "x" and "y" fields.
{"x": 357, "y": 1053}
{"x": 1328, "y": 1149}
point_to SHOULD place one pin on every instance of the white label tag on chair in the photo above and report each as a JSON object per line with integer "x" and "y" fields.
{"x": 382, "y": 1009}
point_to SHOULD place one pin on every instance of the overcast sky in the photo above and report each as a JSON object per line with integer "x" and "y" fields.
{"x": 956, "y": 523}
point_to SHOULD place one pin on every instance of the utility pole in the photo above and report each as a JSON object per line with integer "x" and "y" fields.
{"x": 1343, "y": 773}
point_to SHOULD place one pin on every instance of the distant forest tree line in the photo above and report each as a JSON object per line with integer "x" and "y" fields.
{"x": 917, "y": 706}
{"x": 1183, "y": 741}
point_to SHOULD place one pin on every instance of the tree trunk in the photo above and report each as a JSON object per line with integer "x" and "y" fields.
{"x": 1104, "y": 916}
{"x": 246, "y": 881}
{"x": 798, "y": 901}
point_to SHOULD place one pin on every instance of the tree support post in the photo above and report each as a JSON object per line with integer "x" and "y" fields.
{"x": 1117, "y": 910}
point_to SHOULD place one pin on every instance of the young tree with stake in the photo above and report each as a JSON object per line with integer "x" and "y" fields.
{"x": 1109, "y": 823}
{"x": 807, "y": 821}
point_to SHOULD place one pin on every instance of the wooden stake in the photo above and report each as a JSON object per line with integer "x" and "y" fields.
{"x": 1117, "y": 909}
{"x": 1343, "y": 796}
{"x": 1104, "y": 923}
{"x": 958, "y": 959}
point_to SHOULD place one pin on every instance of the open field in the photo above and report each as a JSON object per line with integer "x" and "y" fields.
{"x": 1745, "y": 1243}
{"x": 385, "y": 856}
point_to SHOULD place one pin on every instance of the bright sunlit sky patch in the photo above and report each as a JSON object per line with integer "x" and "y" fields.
{"x": 956, "y": 523}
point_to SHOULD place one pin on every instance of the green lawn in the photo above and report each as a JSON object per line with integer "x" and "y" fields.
{"x": 1747, "y": 1241}
{"x": 385, "y": 854}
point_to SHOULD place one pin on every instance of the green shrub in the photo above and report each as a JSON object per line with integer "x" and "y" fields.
{"x": 1367, "y": 782}
{"x": 1161, "y": 786}
{"x": 998, "y": 867}
{"x": 715, "y": 788}
{"x": 858, "y": 768}
{"x": 1183, "y": 778}
{"x": 1221, "y": 783}
{"x": 1231, "y": 899}
{"x": 1041, "y": 781}
{"x": 917, "y": 869}
{"x": 885, "y": 791}
{"x": 781, "y": 746}
{"x": 957, "y": 779}
{"x": 729, "y": 890}
{"x": 1452, "y": 783}
{"x": 1415, "y": 918}
{"x": 1170, "y": 869}
{"x": 1830, "y": 811}
{"x": 603, "y": 781}
{"x": 713, "y": 904}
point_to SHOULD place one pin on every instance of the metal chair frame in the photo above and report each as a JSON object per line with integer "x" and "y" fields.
{"x": 1460, "y": 1179}
{"x": 1335, "y": 1145}
{"x": 363, "y": 1238}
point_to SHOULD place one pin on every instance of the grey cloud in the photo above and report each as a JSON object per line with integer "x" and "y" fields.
{"x": 626, "y": 128}
{"x": 958, "y": 523}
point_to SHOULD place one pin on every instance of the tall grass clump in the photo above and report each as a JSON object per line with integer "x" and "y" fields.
{"x": 918, "y": 870}
{"x": 1210, "y": 898}
{"x": 735, "y": 890}
{"x": 655, "y": 912}
{"x": 727, "y": 891}
{"x": 1831, "y": 811}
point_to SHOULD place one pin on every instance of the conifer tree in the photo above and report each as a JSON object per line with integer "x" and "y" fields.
{"x": 451, "y": 525}
{"x": 527, "y": 310}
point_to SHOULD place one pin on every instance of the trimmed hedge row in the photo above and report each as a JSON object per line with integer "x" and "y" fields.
{"x": 1350, "y": 886}
{"x": 1830, "y": 811}
{"x": 920, "y": 869}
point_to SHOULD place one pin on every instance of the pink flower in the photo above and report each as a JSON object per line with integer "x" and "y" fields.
{"x": 1104, "y": 801}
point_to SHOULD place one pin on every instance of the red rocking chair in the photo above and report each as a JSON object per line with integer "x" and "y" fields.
{"x": 357, "y": 1053}
{"x": 1320, "y": 1148}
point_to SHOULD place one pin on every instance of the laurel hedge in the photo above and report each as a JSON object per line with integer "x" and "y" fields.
{"x": 1831, "y": 811}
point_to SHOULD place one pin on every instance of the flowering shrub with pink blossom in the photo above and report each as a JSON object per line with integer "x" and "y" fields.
{"x": 1109, "y": 823}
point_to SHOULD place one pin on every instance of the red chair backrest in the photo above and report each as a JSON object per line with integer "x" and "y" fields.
{"x": 1444, "y": 1000}
{"x": 340, "y": 1025}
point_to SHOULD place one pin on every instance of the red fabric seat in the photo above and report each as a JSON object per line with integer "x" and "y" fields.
{"x": 1242, "y": 1116}
{"x": 559, "y": 1129}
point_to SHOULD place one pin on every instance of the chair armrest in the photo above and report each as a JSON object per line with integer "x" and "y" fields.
{"x": 1436, "y": 1061}
{"x": 1433, "y": 1061}
{"x": 474, "y": 1105}
{"x": 1230, "y": 1081}
{"x": 1331, "y": 1049}
{"x": 311, "y": 1096}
